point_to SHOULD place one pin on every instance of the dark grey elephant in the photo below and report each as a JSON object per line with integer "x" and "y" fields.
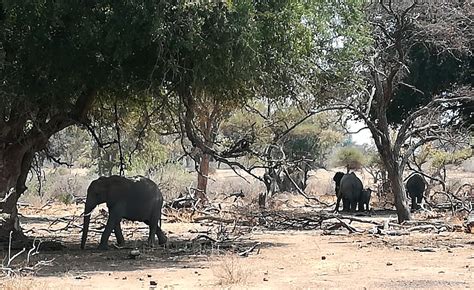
{"x": 349, "y": 191}
{"x": 365, "y": 196}
{"x": 415, "y": 187}
{"x": 136, "y": 199}
{"x": 337, "y": 179}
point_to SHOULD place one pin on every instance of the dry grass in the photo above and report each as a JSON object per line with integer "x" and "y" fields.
{"x": 21, "y": 283}
{"x": 60, "y": 184}
{"x": 231, "y": 270}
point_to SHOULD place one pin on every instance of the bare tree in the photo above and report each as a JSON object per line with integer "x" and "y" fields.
{"x": 396, "y": 28}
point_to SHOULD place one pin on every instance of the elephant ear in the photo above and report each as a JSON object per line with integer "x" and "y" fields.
{"x": 100, "y": 188}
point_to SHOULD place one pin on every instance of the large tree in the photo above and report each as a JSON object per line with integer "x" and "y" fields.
{"x": 56, "y": 59}
{"x": 61, "y": 61}
{"x": 405, "y": 102}
{"x": 284, "y": 54}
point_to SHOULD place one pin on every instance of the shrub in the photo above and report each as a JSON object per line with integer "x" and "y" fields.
{"x": 231, "y": 270}
{"x": 173, "y": 179}
{"x": 350, "y": 157}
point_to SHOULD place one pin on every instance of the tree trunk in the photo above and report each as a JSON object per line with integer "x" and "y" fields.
{"x": 403, "y": 211}
{"x": 202, "y": 177}
{"x": 396, "y": 182}
{"x": 15, "y": 162}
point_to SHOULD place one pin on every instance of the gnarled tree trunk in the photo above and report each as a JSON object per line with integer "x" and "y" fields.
{"x": 396, "y": 181}
{"x": 21, "y": 136}
{"x": 15, "y": 162}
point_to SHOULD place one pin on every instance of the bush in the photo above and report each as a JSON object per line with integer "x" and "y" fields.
{"x": 61, "y": 185}
{"x": 231, "y": 270}
{"x": 351, "y": 158}
{"x": 172, "y": 180}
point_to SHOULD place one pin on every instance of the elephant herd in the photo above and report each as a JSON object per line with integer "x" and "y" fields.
{"x": 140, "y": 199}
{"x": 350, "y": 190}
{"x": 354, "y": 197}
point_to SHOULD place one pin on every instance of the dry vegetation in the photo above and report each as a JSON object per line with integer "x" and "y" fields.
{"x": 230, "y": 270}
{"x": 231, "y": 243}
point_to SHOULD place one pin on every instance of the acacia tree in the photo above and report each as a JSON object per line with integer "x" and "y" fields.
{"x": 56, "y": 59}
{"x": 399, "y": 30}
{"x": 282, "y": 54}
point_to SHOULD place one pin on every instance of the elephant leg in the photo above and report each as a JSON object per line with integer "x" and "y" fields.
{"x": 153, "y": 231}
{"x": 119, "y": 235}
{"x": 338, "y": 202}
{"x": 353, "y": 205}
{"x": 162, "y": 239}
{"x": 419, "y": 198}
{"x": 367, "y": 206}
{"x": 346, "y": 204}
{"x": 109, "y": 227}
{"x": 413, "y": 202}
{"x": 153, "y": 225}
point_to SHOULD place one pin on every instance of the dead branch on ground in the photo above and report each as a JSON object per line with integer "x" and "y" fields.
{"x": 9, "y": 269}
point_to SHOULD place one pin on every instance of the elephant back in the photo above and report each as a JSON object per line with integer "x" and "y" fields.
{"x": 140, "y": 186}
{"x": 416, "y": 184}
{"x": 351, "y": 185}
{"x": 146, "y": 185}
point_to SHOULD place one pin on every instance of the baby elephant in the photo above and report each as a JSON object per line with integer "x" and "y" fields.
{"x": 135, "y": 199}
{"x": 365, "y": 199}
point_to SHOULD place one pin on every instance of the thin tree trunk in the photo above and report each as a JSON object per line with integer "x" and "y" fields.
{"x": 202, "y": 177}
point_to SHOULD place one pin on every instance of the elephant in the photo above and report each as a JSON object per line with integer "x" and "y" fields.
{"x": 136, "y": 198}
{"x": 350, "y": 192}
{"x": 337, "y": 179}
{"x": 415, "y": 187}
{"x": 365, "y": 199}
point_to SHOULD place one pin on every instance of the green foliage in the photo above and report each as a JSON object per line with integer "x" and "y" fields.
{"x": 309, "y": 47}
{"x": 441, "y": 158}
{"x": 173, "y": 179}
{"x": 373, "y": 160}
{"x": 146, "y": 56}
{"x": 431, "y": 73}
{"x": 350, "y": 157}
{"x": 210, "y": 47}
{"x": 313, "y": 139}
{"x": 72, "y": 145}
{"x": 152, "y": 155}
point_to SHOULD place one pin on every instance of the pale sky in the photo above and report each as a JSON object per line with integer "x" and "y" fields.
{"x": 363, "y": 137}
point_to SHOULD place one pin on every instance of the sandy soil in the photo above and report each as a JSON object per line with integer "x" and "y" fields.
{"x": 308, "y": 259}
{"x": 283, "y": 260}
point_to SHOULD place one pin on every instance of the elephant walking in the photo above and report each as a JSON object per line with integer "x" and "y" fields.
{"x": 415, "y": 187}
{"x": 135, "y": 199}
{"x": 350, "y": 190}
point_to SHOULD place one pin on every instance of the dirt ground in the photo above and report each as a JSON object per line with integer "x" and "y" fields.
{"x": 275, "y": 259}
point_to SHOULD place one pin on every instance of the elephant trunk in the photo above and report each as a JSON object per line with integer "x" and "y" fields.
{"x": 87, "y": 218}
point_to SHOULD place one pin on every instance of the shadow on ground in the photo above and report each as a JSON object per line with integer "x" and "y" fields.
{"x": 178, "y": 253}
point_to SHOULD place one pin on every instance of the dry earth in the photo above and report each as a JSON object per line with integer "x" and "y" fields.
{"x": 310, "y": 259}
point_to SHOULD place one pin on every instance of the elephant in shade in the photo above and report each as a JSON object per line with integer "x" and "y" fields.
{"x": 136, "y": 199}
{"x": 365, "y": 196}
{"x": 415, "y": 187}
{"x": 350, "y": 190}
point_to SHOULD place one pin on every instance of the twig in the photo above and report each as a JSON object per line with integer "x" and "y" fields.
{"x": 248, "y": 251}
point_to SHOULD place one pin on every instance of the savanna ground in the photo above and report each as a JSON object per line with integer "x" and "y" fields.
{"x": 296, "y": 244}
